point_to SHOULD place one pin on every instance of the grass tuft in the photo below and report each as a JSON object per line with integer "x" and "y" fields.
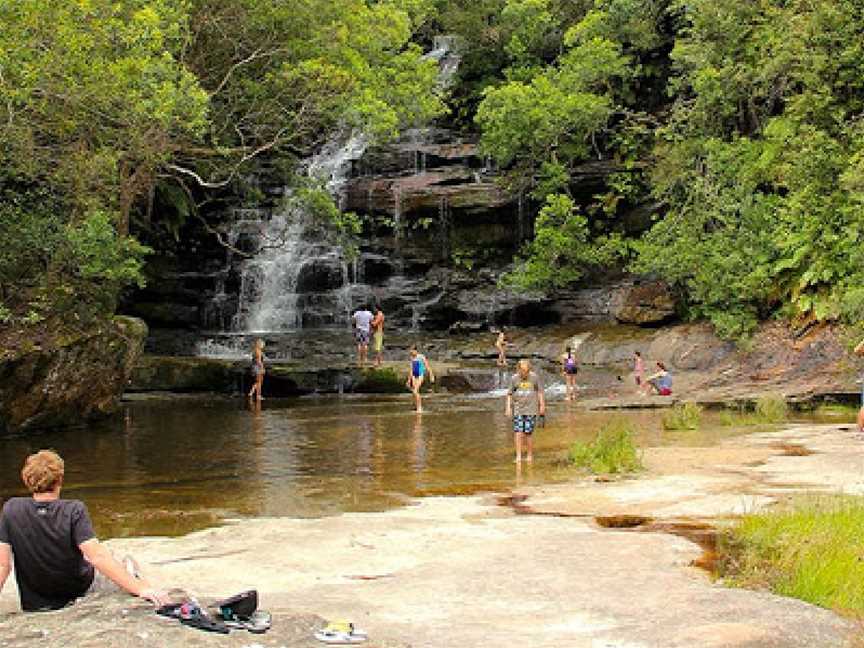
{"x": 613, "y": 450}
{"x": 685, "y": 416}
{"x": 771, "y": 408}
{"x": 810, "y": 549}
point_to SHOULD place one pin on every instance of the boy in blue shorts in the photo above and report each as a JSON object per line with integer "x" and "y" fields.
{"x": 525, "y": 402}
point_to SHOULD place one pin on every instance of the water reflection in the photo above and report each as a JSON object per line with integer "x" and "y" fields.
{"x": 171, "y": 466}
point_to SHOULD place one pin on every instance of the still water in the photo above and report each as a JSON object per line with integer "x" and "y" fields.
{"x": 172, "y": 465}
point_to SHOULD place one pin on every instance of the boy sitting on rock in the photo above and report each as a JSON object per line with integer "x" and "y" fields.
{"x": 56, "y": 553}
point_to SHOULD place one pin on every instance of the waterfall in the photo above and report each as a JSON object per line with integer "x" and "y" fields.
{"x": 291, "y": 241}
{"x": 297, "y": 276}
{"x": 397, "y": 214}
{"x": 444, "y": 226}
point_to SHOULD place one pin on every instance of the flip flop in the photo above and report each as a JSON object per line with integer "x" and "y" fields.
{"x": 258, "y": 623}
{"x": 192, "y": 615}
{"x": 341, "y": 632}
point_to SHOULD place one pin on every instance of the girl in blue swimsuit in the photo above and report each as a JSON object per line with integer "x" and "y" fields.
{"x": 419, "y": 368}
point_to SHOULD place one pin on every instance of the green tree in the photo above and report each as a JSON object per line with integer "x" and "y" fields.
{"x": 759, "y": 164}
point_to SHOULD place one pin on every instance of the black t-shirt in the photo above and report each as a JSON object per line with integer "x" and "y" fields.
{"x": 44, "y": 536}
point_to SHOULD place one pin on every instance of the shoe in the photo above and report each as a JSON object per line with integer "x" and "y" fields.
{"x": 341, "y": 632}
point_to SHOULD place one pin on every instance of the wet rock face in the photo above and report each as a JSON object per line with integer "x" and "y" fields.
{"x": 79, "y": 378}
{"x": 439, "y": 232}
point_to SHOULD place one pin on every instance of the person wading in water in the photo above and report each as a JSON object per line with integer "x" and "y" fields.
{"x": 525, "y": 402}
{"x": 569, "y": 368}
{"x": 416, "y": 373}
{"x": 258, "y": 369}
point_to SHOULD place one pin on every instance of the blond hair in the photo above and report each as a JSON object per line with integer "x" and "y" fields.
{"x": 43, "y": 471}
{"x": 524, "y": 365}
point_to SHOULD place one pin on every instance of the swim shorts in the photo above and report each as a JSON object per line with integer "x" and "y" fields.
{"x": 524, "y": 423}
{"x": 361, "y": 336}
{"x": 378, "y": 337}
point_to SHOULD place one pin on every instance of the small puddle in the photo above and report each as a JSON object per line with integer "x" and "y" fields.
{"x": 516, "y": 503}
{"x": 794, "y": 450}
{"x": 700, "y": 533}
{"x": 621, "y": 521}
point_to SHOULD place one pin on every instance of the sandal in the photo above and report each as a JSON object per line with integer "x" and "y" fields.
{"x": 341, "y": 632}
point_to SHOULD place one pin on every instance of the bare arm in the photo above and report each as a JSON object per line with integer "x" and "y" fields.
{"x": 5, "y": 563}
{"x": 541, "y": 401}
{"x": 429, "y": 369}
{"x": 98, "y": 555}
{"x": 508, "y": 408}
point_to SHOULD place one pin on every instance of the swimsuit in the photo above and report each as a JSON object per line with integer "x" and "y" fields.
{"x": 418, "y": 367}
{"x": 570, "y": 367}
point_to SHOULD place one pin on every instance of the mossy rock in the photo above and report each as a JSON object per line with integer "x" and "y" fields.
{"x": 70, "y": 379}
{"x": 384, "y": 380}
{"x": 185, "y": 374}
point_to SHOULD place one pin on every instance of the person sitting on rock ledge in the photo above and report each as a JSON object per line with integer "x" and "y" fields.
{"x": 56, "y": 553}
{"x": 661, "y": 381}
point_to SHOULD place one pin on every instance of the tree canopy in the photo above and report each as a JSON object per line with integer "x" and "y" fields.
{"x": 731, "y": 132}
{"x": 102, "y": 101}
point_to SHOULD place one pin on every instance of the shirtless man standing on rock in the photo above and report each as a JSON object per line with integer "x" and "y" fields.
{"x": 56, "y": 553}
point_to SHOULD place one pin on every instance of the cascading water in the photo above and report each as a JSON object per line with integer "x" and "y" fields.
{"x": 291, "y": 242}
{"x": 297, "y": 276}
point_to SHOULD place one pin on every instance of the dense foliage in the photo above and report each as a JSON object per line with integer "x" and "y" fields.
{"x": 754, "y": 154}
{"x": 730, "y": 133}
{"x": 105, "y": 104}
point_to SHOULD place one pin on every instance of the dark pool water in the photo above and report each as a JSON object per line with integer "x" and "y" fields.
{"x": 172, "y": 465}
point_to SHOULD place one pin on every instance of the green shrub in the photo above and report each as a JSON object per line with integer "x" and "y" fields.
{"x": 771, "y": 409}
{"x": 768, "y": 409}
{"x": 810, "y": 550}
{"x": 685, "y": 416}
{"x": 612, "y": 451}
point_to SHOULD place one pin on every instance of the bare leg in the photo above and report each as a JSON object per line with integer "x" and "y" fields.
{"x": 259, "y": 385}
{"x": 861, "y": 420}
{"x": 416, "y": 384}
{"x": 529, "y": 442}
{"x": 517, "y": 441}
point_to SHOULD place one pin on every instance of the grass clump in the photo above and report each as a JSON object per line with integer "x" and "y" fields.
{"x": 810, "y": 550}
{"x": 768, "y": 409}
{"x": 771, "y": 408}
{"x": 612, "y": 451}
{"x": 686, "y": 416}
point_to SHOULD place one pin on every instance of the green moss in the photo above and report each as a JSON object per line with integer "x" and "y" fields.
{"x": 809, "y": 549}
{"x": 383, "y": 380}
